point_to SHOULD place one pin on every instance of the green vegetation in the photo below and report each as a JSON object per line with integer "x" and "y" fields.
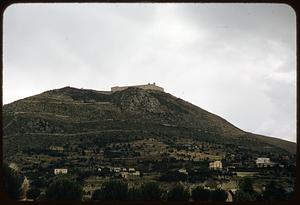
{"x": 178, "y": 193}
{"x": 201, "y": 194}
{"x": 246, "y": 185}
{"x": 274, "y": 192}
{"x": 63, "y": 189}
{"x": 218, "y": 195}
{"x": 12, "y": 182}
{"x": 111, "y": 191}
{"x": 151, "y": 191}
{"x": 33, "y": 193}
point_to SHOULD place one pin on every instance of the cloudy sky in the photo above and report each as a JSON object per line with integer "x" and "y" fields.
{"x": 235, "y": 60}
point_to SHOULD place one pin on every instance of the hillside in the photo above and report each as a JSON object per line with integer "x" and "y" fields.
{"x": 74, "y": 116}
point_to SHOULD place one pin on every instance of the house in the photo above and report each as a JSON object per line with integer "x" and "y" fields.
{"x": 136, "y": 173}
{"x": 127, "y": 175}
{"x": 117, "y": 169}
{"x": 60, "y": 171}
{"x": 183, "y": 171}
{"x": 215, "y": 165}
{"x": 264, "y": 162}
{"x": 56, "y": 148}
{"x": 131, "y": 170}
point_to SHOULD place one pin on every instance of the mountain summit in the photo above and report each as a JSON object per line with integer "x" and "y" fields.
{"x": 71, "y": 115}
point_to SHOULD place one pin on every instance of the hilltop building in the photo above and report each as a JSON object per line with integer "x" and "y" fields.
{"x": 215, "y": 165}
{"x": 148, "y": 86}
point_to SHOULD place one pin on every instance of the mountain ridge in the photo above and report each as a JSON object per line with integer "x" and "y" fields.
{"x": 141, "y": 113}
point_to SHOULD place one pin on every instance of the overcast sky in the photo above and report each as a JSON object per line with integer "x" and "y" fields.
{"x": 235, "y": 60}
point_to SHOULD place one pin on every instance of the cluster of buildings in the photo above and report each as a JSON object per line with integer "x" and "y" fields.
{"x": 131, "y": 172}
{"x": 56, "y": 148}
{"x": 124, "y": 172}
{"x": 260, "y": 162}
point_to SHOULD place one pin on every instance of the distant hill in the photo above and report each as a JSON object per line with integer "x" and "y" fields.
{"x": 78, "y": 115}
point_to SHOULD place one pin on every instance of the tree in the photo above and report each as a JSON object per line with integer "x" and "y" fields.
{"x": 200, "y": 194}
{"x": 274, "y": 192}
{"x": 63, "y": 189}
{"x": 12, "y": 182}
{"x": 246, "y": 185}
{"x": 242, "y": 196}
{"x": 219, "y": 195}
{"x": 114, "y": 190}
{"x": 151, "y": 191}
{"x": 178, "y": 193}
{"x": 134, "y": 194}
{"x": 97, "y": 194}
{"x": 173, "y": 176}
{"x": 33, "y": 193}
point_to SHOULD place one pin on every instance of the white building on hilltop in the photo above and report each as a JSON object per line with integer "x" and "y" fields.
{"x": 215, "y": 165}
{"x": 148, "y": 86}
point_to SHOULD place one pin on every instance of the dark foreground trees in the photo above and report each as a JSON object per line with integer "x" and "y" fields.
{"x": 218, "y": 195}
{"x": 274, "y": 192}
{"x": 200, "y": 194}
{"x": 117, "y": 190}
{"x": 12, "y": 182}
{"x": 151, "y": 191}
{"x": 114, "y": 190}
{"x": 64, "y": 189}
{"x": 33, "y": 193}
{"x": 178, "y": 193}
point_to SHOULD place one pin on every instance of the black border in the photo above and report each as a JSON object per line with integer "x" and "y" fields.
{"x": 6, "y": 3}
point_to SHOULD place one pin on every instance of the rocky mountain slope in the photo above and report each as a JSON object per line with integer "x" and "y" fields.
{"x": 71, "y": 115}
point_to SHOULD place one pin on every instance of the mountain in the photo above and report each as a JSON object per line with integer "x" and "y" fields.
{"x": 76, "y": 116}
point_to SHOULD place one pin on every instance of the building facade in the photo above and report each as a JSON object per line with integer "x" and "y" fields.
{"x": 263, "y": 162}
{"x": 60, "y": 171}
{"x": 215, "y": 165}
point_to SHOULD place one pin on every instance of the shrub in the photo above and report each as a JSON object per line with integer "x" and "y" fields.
{"x": 200, "y": 194}
{"x": 33, "y": 193}
{"x": 246, "y": 185}
{"x": 135, "y": 194}
{"x": 242, "y": 196}
{"x": 274, "y": 192}
{"x": 178, "y": 193}
{"x": 219, "y": 195}
{"x": 114, "y": 190}
{"x": 151, "y": 191}
{"x": 63, "y": 189}
{"x": 97, "y": 194}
